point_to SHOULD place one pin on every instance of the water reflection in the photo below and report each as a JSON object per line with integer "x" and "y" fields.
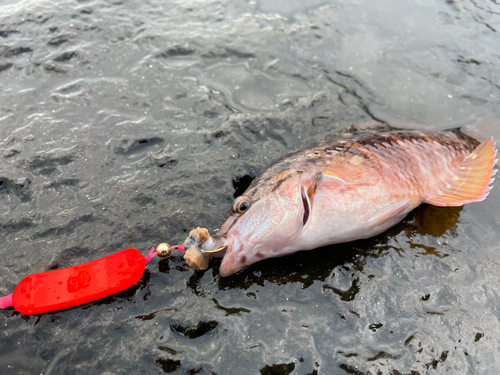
{"x": 433, "y": 221}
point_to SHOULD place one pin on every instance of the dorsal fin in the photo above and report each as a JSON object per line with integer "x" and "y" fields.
{"x": 472, "y": 181}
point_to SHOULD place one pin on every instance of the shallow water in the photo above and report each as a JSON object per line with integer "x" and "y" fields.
{"x": 128, "y": 123}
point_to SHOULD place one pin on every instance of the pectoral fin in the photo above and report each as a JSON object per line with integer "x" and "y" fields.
{"x": 473, "y": 179}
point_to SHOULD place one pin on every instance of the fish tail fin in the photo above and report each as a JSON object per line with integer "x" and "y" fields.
{"x": 473, "y": 179}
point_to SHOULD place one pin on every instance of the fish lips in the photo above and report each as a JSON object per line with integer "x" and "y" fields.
{"x": 232, "y": 262}
{"x": 228, "y": 265}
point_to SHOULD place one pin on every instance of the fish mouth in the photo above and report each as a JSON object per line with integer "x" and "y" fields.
{"x": 232, "y": 261}
{"x": 219, "y": 245}
{"x": 229, "y": 265}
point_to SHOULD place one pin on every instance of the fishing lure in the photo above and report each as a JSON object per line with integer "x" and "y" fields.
{"x": 44, "y": 292}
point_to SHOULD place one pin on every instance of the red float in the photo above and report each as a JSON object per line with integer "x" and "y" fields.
{"x": 68, "y": 287}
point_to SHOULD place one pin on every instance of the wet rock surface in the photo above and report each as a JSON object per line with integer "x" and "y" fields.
{"x": 127, "y": 124}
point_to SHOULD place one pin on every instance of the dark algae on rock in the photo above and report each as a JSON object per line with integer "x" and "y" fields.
{"x": 128, "y": 124}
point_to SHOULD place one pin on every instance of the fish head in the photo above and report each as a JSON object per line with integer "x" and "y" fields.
{"x": 262, "y": 224}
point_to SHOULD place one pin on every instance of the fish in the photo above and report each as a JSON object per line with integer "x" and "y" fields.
{"x": 349, "y": 187}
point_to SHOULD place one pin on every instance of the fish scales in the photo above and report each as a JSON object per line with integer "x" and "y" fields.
{"x": 410, "y": 152}
{"x": 338, "y": 190}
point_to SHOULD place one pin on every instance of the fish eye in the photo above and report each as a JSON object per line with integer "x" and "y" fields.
{"x": 241, "y": 204}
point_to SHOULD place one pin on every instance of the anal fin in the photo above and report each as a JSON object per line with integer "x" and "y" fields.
{"x": 473, "y": 179}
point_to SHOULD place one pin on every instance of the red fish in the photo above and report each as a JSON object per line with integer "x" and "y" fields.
{"x": 351, "y": 188}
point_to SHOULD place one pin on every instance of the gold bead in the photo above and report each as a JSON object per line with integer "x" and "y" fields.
{"x": 163, "y": 250}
